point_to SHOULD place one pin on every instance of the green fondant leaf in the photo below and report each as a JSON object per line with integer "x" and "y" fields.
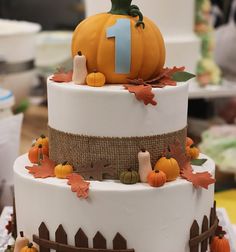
{"x": 182, "y": 76}
{"x": 198, "y": 162}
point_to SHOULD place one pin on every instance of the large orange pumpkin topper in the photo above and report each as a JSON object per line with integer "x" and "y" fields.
{"x": 121, "y": 44}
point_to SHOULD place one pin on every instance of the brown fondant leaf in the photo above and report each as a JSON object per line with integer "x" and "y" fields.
{"x": 203, "y": 179}
{"x": 142, "y": 93}
{"x": 219, "y": 231}
{"x": 97, "y": 170}
{"x": 62, "y": 76}
{"x": 78, "y": 185}
{"x": 138, "y": 81}
{"x": 44, "y": 170}
{"x": 143, "y": 89}
{"x": 9, "y": 227}
{"x": 165, "y": 75}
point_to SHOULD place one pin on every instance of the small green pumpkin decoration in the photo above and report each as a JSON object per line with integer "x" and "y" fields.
{"x": 9, "y": 248}
{"x": 129, "y": 177}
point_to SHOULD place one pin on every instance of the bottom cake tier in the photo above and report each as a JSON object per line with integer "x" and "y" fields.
{"x": 149, "y": 219}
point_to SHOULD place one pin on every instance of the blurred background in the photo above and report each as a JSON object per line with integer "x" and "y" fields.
{"x": 35, "y": 37}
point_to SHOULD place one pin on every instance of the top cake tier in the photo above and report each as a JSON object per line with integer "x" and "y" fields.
{"x": 175, "y": 18}
{"x": 111, "y": 111}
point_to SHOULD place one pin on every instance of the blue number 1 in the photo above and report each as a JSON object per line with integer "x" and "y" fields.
{"x": 121, "y": 31}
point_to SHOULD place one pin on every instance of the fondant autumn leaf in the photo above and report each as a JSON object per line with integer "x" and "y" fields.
{"x": 199, "y": 179}
{"x": 62, "y": 76}
{"x": 219, "y": 231}
{"x": 44, "y": 170}
{"x": 167, "y": 77}
{"x": 176, "y": 151}
{"x": 78, "y": 185}
{"x": 9, "y": 227}
{"x": 142, "y": 93}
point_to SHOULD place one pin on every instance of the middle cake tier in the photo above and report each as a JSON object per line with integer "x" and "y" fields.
{"x": 88, "y": 124}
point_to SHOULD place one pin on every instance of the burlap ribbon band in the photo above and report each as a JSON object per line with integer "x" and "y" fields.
{"x": 121, "y": 153}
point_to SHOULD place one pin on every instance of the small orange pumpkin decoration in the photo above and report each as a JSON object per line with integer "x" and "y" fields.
{"x": 42, "y": 140}
{"x": 96, "y": 79}
{"x": 63, "y": 170}
{"x": 169, "y": 166}
{"x": 36, "y": 153}
{"x": 220, "y": 244}
{"x": 29, "y": 248}
{"x": 192, "y": 152}
{"x": 147, "y": 44}
{"x": 156, "y": 178}
{"x": 189, "y": 141}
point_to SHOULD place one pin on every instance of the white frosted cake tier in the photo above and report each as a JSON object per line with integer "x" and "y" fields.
{"x": 174, "y": 18}
{"x": 150, "y": 219}
{"x": 112, "y": 111}
{"x": 183, "y": 51}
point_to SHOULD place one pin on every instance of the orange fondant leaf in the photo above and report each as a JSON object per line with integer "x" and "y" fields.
{"x": 78, "y": 185}
{"x": 142, "y": 93}
{"x": 203, "y": 179}
{"x": 199, "y": 179}
{"x": 43, "y": 170}
{"x": 62, "y": 76}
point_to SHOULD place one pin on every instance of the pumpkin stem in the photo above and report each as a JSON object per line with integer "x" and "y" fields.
{"x": 120, "y": 7}
{"x": 21, "y": 234}
{"x": 30, "y": 245}
{"x": 143, "y": 149}
{"x": 129, "y": 170}
{"x": 157, "y": 171}
{"x": 42, "y": 136}
{"x": 221, "y": 236}
{"x": 80, "y": 53}
{"x": 124, "y": 7}
{"x": 65, "y": 163}
{"x": 168, "y": 154}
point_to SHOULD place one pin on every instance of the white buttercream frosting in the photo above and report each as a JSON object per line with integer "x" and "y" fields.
{"x": 150, "y": 219}
{"x": 112, "y": 111}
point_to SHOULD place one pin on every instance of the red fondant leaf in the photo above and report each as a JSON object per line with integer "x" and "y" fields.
{"x": 78, "y": 185}
{"x": 44, "y": 170}
{"x": 177, "y": 152}
{"x": 203, "y": 179}
{"x": 62, "y": 76}
{"x": 142, "y": 93}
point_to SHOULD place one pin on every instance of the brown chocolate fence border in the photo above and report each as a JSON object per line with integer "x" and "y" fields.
{"x": 208, "y": 228}
{"x": 81, "y": 241}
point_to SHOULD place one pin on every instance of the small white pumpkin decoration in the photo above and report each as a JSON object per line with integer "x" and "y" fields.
{"x": 80, "y": 71}
{"x": 145, "y": 166}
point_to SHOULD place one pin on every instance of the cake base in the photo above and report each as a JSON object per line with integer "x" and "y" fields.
{"x": 150, "y": 219}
